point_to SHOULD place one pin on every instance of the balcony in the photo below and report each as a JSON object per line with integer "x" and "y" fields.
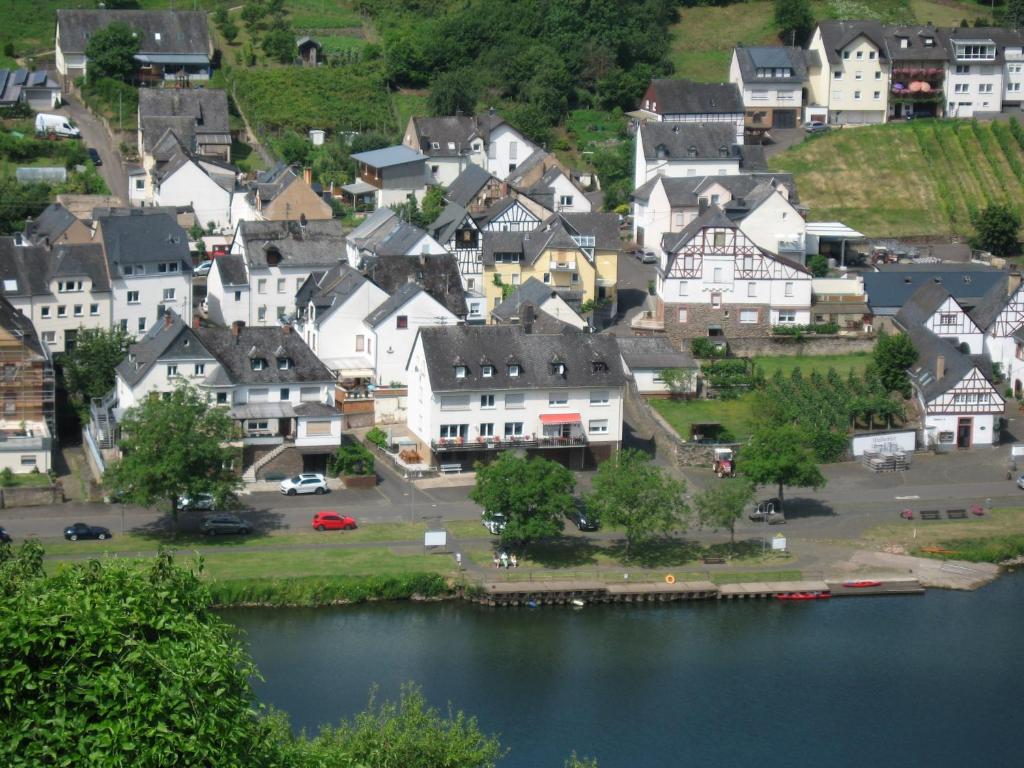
{"x": 562, "y": 266}
{"x": 791, "y": 245}
{"x": 926, "y": 74}
{"x": 446, "y": 444}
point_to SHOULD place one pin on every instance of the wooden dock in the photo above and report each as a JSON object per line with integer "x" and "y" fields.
{"x": 535, "y": 594}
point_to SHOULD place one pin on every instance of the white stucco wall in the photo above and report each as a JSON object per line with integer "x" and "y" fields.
{"x": 139, "y": 316}
{"x": 392, "y": 345}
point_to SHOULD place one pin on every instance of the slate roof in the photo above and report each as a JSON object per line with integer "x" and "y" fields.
{"x": 543, "y": 190}
{"x": 443, "y": 227}
{"x": 199, "y": 112}
{"x": 370, "y": 226}
{"x": 890, "y": 287}
{"x": 270, "y": 184}
{"x": 437, "y": 274}
{"x": 956, "y": 364}
{"x": 21, "y": 328}
{"x": 474, "y": 346}
{"x": 232, "y": 269}
{"x": 501, "y": 242}
{"x": 144, "y": 238}
{"x": 985, "y": 312}
{"x": 14, "y": 82}
{"x": 685, "y": 97}
{"x": 459, "y": 130}
{"x": 603, "y": 226}
{"x": 20, "y": 272}
{"x": 331, "y": 289}
{"x": 157, "y": 344}
{"x": 652, "y": 352}
{"x": 314, "y": 244}
{"x": 51, "y": 223}
{"x": 1000, "y": 36}
{"x": 674, "y": 141}
{"x": 393, "y": 303}
{"x": 467, "y": 185}
{"x": 921, "y": 305}
{"x": 236, "y": 353}
{"x": 836, "y": 35}
{"x": 533, "y": 291}
{"x": 180, "y": 31}
{"x": 389, "y": 156}
{"x": 401, "y": 240}
{"x": 714, "y": 216}
{"x": 916, "y": 49}
{"x": 771, "y": 57}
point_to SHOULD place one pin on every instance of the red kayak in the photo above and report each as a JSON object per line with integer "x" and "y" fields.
{"x": 803, "y": 596}
{"x": 859, "y": 584}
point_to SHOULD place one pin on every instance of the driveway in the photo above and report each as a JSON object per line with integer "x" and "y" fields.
{"x": 96, "y": 136}
{"x": 782, "y": 139}
{"x": 632, "y": 281}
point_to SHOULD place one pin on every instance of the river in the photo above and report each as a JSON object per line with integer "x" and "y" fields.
{"x": 887, "y": 681}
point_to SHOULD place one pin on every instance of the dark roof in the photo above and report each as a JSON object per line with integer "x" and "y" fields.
{"x": 603, "y": 227}
{"x": 685, "y": 97}
{"x": 457, "y": 130}
{"x": 543, "y": 190}
{"x": 232, "y": 269}
{"x": 1001, "y": 36}
{"x": 916, "y": 49}
{"x": 689, "y": 141}
{"x": 985, "y": 312}
{"x": 270, "y": 184}
{"x": 173, "y": 339}
{"x": 21, "y": 328}
{"x": 836, "y": 35}
{"x": 772, "y": 57}
{"x": 144, "y": 238}
{"x": 922, "y": 304}
{"x": 400, "y": 241}
{"x": 236, "y": 353}
{"x": 474, "y": 346}
{"x": 180, "y": 31}
{"x": 393, "y": 303}
{"x": 500, "y": 242}
{"x": 714, "y": 216}
{"x": 444, "y": 226}
{"x": 467, "y": 185}
{"x": 51, "y": 223}
{"x": 13, "y": 83}
{"x": 891, "y": 286}
{"x": 330, "y": 289}
{"x": 652, "y": 352}
{"x": 956, "y": 364}
{"x": 533, "y": 291}
{"x": 437, "y": 274}
{"x": 81, "y": 260}
{"x": 318, "y": 243}
{"x": 752, "y": 158}
{"x": 190, "y": 114}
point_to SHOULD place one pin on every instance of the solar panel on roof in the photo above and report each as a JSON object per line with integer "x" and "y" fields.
{"x": 20, "y": 76}
{"x": 769, "y": 57}
{"x": 38, "y": 78}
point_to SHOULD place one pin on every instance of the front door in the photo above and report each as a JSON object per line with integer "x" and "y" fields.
{"x": 964, "y": 427}
{"x": 285, "y": 428}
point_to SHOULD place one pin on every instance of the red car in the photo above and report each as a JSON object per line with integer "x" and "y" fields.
{"x": 332, "y": 521}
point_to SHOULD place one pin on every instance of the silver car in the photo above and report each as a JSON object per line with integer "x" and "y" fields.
{"x": 307, "y": 482}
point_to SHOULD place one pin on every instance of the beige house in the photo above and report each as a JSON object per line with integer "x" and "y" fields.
{"x": 282, "y": 195}
{"x": 848, "y": 74}
{"x": 56, "y": 225}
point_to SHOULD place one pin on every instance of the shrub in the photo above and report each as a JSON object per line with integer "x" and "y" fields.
{"x": 352, "y": 459}
{"x": 322, "y": 590}
{"x": 378, "y": 437}
{"x": 705, "y": 349}
{"x": 6, "y": 477}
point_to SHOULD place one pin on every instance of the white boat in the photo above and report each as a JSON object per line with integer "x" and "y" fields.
{"x": 577, "y": 603}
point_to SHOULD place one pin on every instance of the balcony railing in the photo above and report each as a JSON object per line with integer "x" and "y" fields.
{"x": 502, "y": 443}
{"x": 791, "y": 244}
{"x": 929, "y": 74}
{"x": 562, "y": 266}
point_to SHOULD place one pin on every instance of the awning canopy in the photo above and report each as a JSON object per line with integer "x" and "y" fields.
{"x": 173, "y": 58}
{"x": 559, "y": 418}
{"x": 835, "y": 230}
{"x": 359, "y": 188}
{"x": 278, "y": 410}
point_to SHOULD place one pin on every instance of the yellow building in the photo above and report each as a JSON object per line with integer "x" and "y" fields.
{"x": 848, "y": 73}
{"x": 576, "y": 254}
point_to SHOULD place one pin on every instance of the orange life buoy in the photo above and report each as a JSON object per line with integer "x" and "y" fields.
{"x": 670, "y": 579}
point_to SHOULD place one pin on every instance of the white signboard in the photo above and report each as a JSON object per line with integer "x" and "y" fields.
{"x": 435, "y": 539}
{"x": 1017, "y": 450}
{"x": 779, "y": 543}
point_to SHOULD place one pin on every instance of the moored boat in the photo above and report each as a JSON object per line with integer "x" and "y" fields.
{"x": 803, "y": 596}
{"x": 861, "y": 584}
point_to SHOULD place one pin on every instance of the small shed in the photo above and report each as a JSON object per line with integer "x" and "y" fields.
{"x": 311, "y": 52}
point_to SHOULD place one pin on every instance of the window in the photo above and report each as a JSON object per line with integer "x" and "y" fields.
{"x": 837, "y": 75}
{"x": 62, "y": 311}
{"x": 968, "y": 399}
{"x": 78, "y": 310}
{"x": 751, "y": 290}
{"x": 513, "y": 150}
{"x": 172, "y": 371}
{"x": 514, "y": 401}
{"x": 547, "y": 278}
{"x": 260, "y": 395}
{"x": 787, "y": 317}
{"x": 682, "y": 314}
{"x": 284, "y": 363}
{"x": 878, "y": 75}
{"x": 486, "y": 401}
{"x": 985, "y": 88}
{"x": 168, "y": 294}
{"x": 860, "y": 54}
{"x": 487, "y": 429}
{"x": 961, "y": 88}
{"x": 309, "y": 394}
{"x": 599, "y": 397}
{"x": 402, "y": 322}
{"x": 748, "y": 316}
{"x": 598, "y": 427}
{"x": 142, "y": 325}
{"x": 871, "y": 54}
{"x": 460, "y": 371}
{"x": 716, "y": 300}
{"x": 167, "y": 266}
{"x": 140, "y": 183}
{"x": 124, "y": 326}
{"x": 199, "y": 370}
{"x": 788, "y": 289}
{"x": 281, "y": 285}
{"x": 94, "y": 310}
{"x": 1013, "y": 87}
{"x": 261, "y": 286}
{"x": 858, "y": 75}
{"x": 257, "y": 426}
{"x": 947, "y": 319}
{"x": 69, "y": 286}
{"x": 285, "y": 394}
{"x": 557, "y": 399}
{"x": 487, "y": 371}
{"x": 574, "y": 278}
{"x": 846, "y": 54}
{"x": 238, "y": 295}
{"x": 717, "y": 275}
{"x": 50, "y": 337}
{"x": 565, "y": 201}
{"x": 718, "y": 238}
{"x": 513, "y": 370}
{"x": 877, "y": 95}
{"x": 133, "y": 297}
{"x": 963, "y": 69}
{"x": 683, "y": 287}
{"x": 513, "y": 428}
{"x": 506, "y": 258}
{"x": 257, "y": 363}
{"x": 44, "y": 312}
{"x": 261, "y": 315}
{"x": 492, "y": 151}
{"x": 856, "y": 95}
{"x": 281, "y": 311}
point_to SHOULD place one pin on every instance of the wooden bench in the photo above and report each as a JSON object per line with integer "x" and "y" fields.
{"x": 956, "y": 514}
{"x": 930, "y": 514}
{"x": 713, "y": 560}
{"x": 450, "y": 468}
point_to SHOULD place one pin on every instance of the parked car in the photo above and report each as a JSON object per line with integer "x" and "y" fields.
{"x": 5, "y": 537}
{"x": 94, "y": 156}
{"x": 584, "y": 519}
{"x": 307, "y": 482}
{"x": 202, "y": 269}
{"x": 224, "y": 523}
{"x": 332, "y": 521}
{"x": 83, "y": 531}
{"x": 1020, "y": 481}
{"x": 767, "y": 511}
{"x": 816, "y": 126}
{"x": 494, "y": 522}
{"x": 201, "y": 502}
{"x": 648, "y": 257}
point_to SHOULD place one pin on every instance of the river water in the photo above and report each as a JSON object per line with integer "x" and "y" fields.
{"x": 887, "y": 681}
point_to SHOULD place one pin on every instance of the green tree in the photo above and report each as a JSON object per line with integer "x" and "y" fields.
{"x": 110, "y": 52}
{"x": 279, "y": 45}
{"x": 818, "y": 264}
{"x": 534, "y": 494}
{"x": 230, "y": 31}
{"x": 352, "y": 459}
{"x": 723, "y": 504}
{"x": 794, "y": 20}
{"x": 453, "y": 92}
{"x": 1013, "y": 14}
{"x": 253, "y": 13}
{"x": 174, "y": 446}
{"x": 892, "y": 356}
{"x": 630, "y": 491}
{"x": 777, "y": 456}
{"x": 996, "y": 227}
{"x": 678, "y": 380}
{"x": 433, "y": 204}
{"x": 107, "y": 662}
{"x": 89, "y": 366}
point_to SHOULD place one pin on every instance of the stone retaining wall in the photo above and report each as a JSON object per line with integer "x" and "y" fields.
{"x": 768, "y": 346}
{"x": 37, "y": 496}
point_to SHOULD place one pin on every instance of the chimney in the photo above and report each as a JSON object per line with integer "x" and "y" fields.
{"x": 286, "y": 329}
{"x": 940, "y": 367}
{"x": 503, "y": 189}
{"x": 196, "y": 322}
{"x": 168, "y": 319}
{"x": 307, "y": 176}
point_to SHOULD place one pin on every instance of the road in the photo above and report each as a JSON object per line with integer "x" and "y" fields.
{"x": 96, "y": 136}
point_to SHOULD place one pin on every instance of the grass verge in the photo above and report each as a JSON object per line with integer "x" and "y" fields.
{"x": 327, "y": 590}
{"x": 807, "y": 364}
{"x": 736, "y": 415}
{"x": 993, "y": 549}
{"x": 996, "y": 537}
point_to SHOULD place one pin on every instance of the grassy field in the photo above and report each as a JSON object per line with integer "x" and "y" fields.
{"x": 1001, "y": 522}
{"x": 907, "y": 178}
{"x": 820, "y": 363}
{"x": 737, "y": 416}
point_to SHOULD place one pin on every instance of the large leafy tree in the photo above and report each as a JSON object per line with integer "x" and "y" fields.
{"x": 433, "y": 204}
{"x": 533, "y": 494}
{"x": 996, "y": 228}
{"x": 892, "y": 356}
{"x": 108, "y": 663}
{"x": 452, "y": 93}
{"x": 722, "y": 505}
{"x": 279, "y": 45}
{"x": 1013, "y": 14}
{"x": 777, "y": 455}
{"x": 110, "y": 52}
{"x": 89, "y": 366}
{"x": 630, "y": 491}
{"x": 794, "y": 20}
{"x": 174, "y": 446}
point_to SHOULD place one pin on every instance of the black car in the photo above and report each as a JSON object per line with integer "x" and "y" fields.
{"x": 584, "y": 519}
{"x": 223, "y": 523}
{"x": 94, "y": 156}
{"x": 83, "y": 531}
{"x": 5, "y": 537}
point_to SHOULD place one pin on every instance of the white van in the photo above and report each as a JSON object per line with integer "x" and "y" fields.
{"x": 56, "y": 124}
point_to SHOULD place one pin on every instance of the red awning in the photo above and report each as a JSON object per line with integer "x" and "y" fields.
{"x": 560, "y": 418}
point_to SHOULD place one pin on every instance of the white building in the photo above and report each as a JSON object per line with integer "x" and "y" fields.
{"x": 208, "y": 186}
{"x": 645, "y": 359}
{"x": 684, "y": 101}
{"x": 975, "y": 67}
{"x": 933, "y": 308}
{"x": 771, "y": 81}
{"x": 478, "y": 389}
{"x": 149, "y": 265}
{"x": 685, "y": 149}
{"x": 1001, "y": 314}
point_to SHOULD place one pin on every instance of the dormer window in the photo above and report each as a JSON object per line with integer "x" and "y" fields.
{"x": 460, "y": 371}
{"x": 558, "y": 369}
{"x": 929, "y": 42}
{"x": 273, "y": 256}
{"x": 599, "y": 366}
{"x": 435, "y": 145}
{"x": 691, "y": 151}
{"x": 487, "y": 371}
{"x": 258, "y": 363}
{"x": 723, "y": 151}
{"x": 284, "y": 363}
{"x": 157, "y": 36}
{"x": 513, "y": 369}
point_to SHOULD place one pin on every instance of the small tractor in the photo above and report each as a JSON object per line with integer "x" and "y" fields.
{"x": 725, "y": 462}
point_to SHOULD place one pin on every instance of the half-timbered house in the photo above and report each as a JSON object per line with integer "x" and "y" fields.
{"x": 931, "y": 306}
{"x": 713, "y": 280}
{"x": 1001, "y": 316}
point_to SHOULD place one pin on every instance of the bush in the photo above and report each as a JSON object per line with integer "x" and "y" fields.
{"x": 323, "y": 590}
{"x": 800, "y": 330}
{"x": 378, "y": 437}
{"x": 352, "y": 459}
{"x": 6, "y": 477}
{"x": 994, "y": 549}
{"x": 705, "y": 349}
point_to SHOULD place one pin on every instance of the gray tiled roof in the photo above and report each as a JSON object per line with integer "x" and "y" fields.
{"x": 689, "y": 141}
{"x": 955, "y": 363}
{"x": 652, "y": 352}
{"x": 437, "y": 274}
{"x": 1002, "y": 38}
{"x": 467, "y": 185}
{"x": 836, "y": 35}
{"x": 502, "y": 345}
{"x": 393, "y": 303}
{"x": 922, "y": 304}
{"x": 500, "y": 242}
{"x": 890, "y": 287}
{"x": 236, "y": 353}
{"x": 714, "y": 216}
{"x": 180, "y": 31}
{"x": 21, "y": 328}
{"x": 232, "y": 269}
{"x": 144, "y": 238}
{"x": 314, "y": 244}
{"x": 772, "y": 57}
{"x": 51, "y": 223}
{"x": 685, "y": 97}
{"x": 685, "y": 191}
{"x": 197, "y": 112}
{"x": 165, "y": 339}
{"x": 457, "y": 130}
{"x": 916, "y": 49}
{"x": 985, "y": 312}
{"x": 400, "y": 241}
{"x": 331, "y": 289}
{"x": 443, "y": 227}
{"x": 603, "y": 226}
{"x": 533, "y": 291}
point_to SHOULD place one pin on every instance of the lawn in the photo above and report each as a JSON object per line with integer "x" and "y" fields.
{"x": 912, "y": 534}
{"x": 28, "y": 479}
{"x": 736, "y": 416}
{"x": 371, "y": 561}
{"x": 592, "y": 128}
{"x": 807, "y": 364}
{"x": 342, "y": 43}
